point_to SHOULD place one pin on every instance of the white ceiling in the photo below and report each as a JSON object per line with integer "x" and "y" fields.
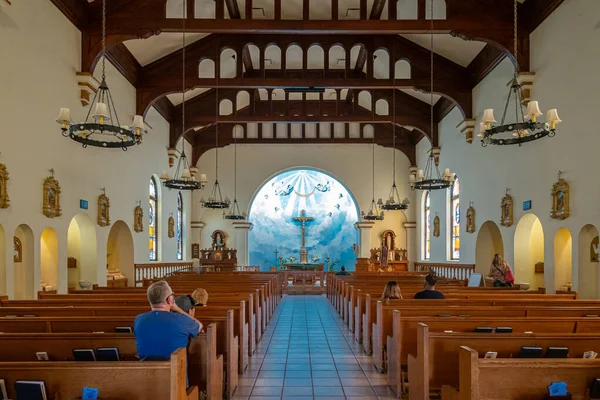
{"x": 148, "y": 50}
{"x": 454, "y": 49}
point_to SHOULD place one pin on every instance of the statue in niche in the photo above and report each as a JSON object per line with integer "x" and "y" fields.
{"x": 4, "y": 201}
{"x": 171, "y": 232}
{"x": 384, "y": 256}
{"x": 506, "y": 218}
{"x": 218, "y": 240}
{"x": 436, "y": 226}
{"x": 388, "y": 240}
{"x": 229, "y": 255}
{"x": 594, "y": 250}
{"x": 470, "y": 219}
{"x": 560, "y": 199}
{"x": 103, "y": 210}
{"x": 51, "y": 193}
{"x": 18, "y": 250}
{"x": 138, "y": 219}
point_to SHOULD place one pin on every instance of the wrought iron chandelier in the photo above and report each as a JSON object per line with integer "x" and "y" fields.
{"x": 234, "y": 211}
{"x": 102, "y": 128}
{"x": 431, "y": 179}
{"x": 215, "y": 200}
{"x": 525, "y": 128}
{"x": 374, "y": 213}
{"x": 393, "y": 202}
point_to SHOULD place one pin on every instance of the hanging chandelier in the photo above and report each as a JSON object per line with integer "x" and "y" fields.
{"x": 393, "y": 202}
{"x": 101, "y": 127}
{"x": 183, "y": 178}
{"x": 374, "y": 213}
{"x": 215, "y": 200}
{"x": 234, "y": 211}
{"x": 525, "y": 128}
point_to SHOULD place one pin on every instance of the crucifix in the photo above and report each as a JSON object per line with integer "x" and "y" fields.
{"x": 303, "y": 218}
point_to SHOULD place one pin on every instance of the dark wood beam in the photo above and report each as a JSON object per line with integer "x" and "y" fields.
{"x": 232, "y": 8}
{"x": 74, "y": 10}
{"x": 377, "y": 9}
{"x": 165, "y": 108}
{"x": 536, "y": 11}
{"x": 442, "y": 108}
{"x": 124, "y": 62}
{"x": 361, "y": 59}
{"x": 247, "y": 60}
{"x": 485, "y": 62}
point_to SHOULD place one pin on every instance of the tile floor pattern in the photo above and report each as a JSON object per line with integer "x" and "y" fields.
{"x": 307, "y": 353}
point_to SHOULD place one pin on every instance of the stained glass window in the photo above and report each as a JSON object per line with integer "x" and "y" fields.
{"x": 179, "y": 228}
{"x": 427, "y": 224}
{"x": 152, "y": 223}
{"x": 455, "y": 218}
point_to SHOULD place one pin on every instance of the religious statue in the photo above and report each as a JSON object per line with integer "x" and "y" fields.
{"x": 436, "y": 226}
{"x": 103, "y": 210}
{"x": 384, "y": 256}
{"x": 218, "y": 240}
{"x": 18, "y": 250}
{"x": 171, "y": 225}
{"x": 206, "y": 254}
{"x": 560, "y": 199}
{"x": 4, "y": 201}
{"x": 51, "y": 193}
{"x": 229, "y": 255}
{"x": 594, "y": 250}
{"x": 138, "y": 219}
{"x": 507, "y": 210}
{"x": 470, "y": 228}
{"x": 303, "y": 252}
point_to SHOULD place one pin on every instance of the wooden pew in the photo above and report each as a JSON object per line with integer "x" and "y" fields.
{"x": 521, "y": 378}
{"x": 115, "y": 380}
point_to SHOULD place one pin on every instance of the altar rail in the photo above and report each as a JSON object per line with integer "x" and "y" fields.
{"x": 159, "y": 270}
{"x": 446, "y": 270}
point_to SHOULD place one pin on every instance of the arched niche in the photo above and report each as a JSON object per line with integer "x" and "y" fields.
{"x": 49, "y": 258}
{"x": 588, "y": 274}
{"x": 206, "y": 68}
{"x": 3, "y": 245}
{"x": 489, "y": 242}
{"x": 293, "y": 57}
{"x": 315, "y": 57}
{"x": 382, "y": 107}
{"x": 381, "y": 64}
{"x": 120, "y": 251}
{"x": 242, "y": 100}
{"x": 407, "y": 9}
{"x": 24, "y": 270}
{"x": 402, "y": 69}
{"x": 337, "y": 57}
{"x": 225, "y": 107}
{"x": 82, "y": 247}
{"x": 563, "y": 259}
{"x": 228, "y": 67}
{"x": 273, "y": 57}
{"x": 529, "y": 250}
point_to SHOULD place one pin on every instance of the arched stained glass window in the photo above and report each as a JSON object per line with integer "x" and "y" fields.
{"x": 179, "y": 228}
{"x": 153, "y": 220}
{"x": 427, "y": 225}
{"x": 455, "y": 220}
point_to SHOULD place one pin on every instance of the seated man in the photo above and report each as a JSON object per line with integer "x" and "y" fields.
{"x": 429, "y": 292}
{"x": 200, "y": 296}
{"x": 342, "y": 271}
{"x": 166, "y": 328}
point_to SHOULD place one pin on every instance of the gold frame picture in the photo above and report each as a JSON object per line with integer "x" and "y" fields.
{"x": 103, "y": 210}
{"x": 4, "y": 200}
{"x": 17, "y": 250}
{"x": 470, "y": 225}
{"x": 171, "y": 230}
{"x": 436, "y": 226}
{"x": 506, "y": 208}
{"x": 138, "y": 219}
{"x": 51, "y": 192}
{"x": 560, "y": 199}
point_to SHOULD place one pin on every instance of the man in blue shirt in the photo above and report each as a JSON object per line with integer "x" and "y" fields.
{"x": 166, "y": 328}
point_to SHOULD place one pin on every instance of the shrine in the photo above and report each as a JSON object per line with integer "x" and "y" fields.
{"x": 385, "y": 258}
{"x": 218, "y": 255}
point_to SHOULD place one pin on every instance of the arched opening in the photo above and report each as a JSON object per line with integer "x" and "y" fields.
{"x": 325, "y": 130}
{"x": 381, "y": 64}
{"x": 225, "y": 107}
{"x": 439, "y": 9}
{"x": 254, "y": 52}
{"x": 364, "y": 100}
{"x": 354, "y": 52}
{"x": 489, "y": 242}
{"x": 368, "y": 131}
{"x": 49, "y": 259}
{"x": 315, "y": 57}
{"x": 349, "y": 9}
{"x": 24, "y": 269}
{"x": 563, "y": 259}
{"x": 337, "y": 57}
{"x": 281, "y": 198}
{"x": 319, "y": 9}
{"x": 119, "y": 251}
{"x": 242, "y": 100}
{"x": 588, "y": 275}
{"x": 272, "y": 57}
{"x": 2, "y": 261}
{"x": 293, "y": 57}
{"x": 529, "y": 251}
{"x": 291, "y": 9}
{"x": 382, "y": 107}
{"x": 238, "y": 132}
{"x": 81, "y": 247}
{"x": 206, "y": 68}
{"x": 228, "y": 65}
{"x": 402, "y": 69}
{"x": 205, "y": 9}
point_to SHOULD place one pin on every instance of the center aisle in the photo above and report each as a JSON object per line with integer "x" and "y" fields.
{"x": 307, "y": 353}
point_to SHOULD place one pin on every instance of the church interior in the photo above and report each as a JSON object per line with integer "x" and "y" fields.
{"x": 293, "y": 157}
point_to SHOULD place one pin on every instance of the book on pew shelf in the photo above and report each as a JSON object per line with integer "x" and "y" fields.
{"x": 491, "y": 354}
{"x": 84, "y": 355}
{"x": 89, "y": 393}
{"x": 590, "y": 354}
{"x": 504, "y": 329}
{"x": 107, "y": 354}
{"x": 484, "y": 329}
{"x": 557, "y": 352}
{"x": 595, "y": 389}
{"x": 443, "y": 315}
{"x": 557, "y": 389}
{"x": 123, "y": 329}
{"x": 30, "y": 390}
{"x": 3, "y": 393}
{"x": 530, "y": 352}
{"x": 42, "y": 356}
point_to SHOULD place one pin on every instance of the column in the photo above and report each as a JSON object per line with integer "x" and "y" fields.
{"x": 364, "y": 245}
{"x": 196, "y": 236}
{"x": 411, "y": 244}
{"x": 241, "y": 241}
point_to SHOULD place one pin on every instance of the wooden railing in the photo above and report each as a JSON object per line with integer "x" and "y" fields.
{"x": 159, "y": 270}
{"x": 446, "y": 270}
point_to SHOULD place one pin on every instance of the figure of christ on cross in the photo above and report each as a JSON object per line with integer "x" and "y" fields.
{"x": 303, "y": 218}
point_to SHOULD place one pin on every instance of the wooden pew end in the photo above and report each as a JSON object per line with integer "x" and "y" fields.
{"x": 449, "y": 393}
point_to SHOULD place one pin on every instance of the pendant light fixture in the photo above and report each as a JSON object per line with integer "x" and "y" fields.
{"x": 102, "y": 128}
{"x": 374, "y": 213}
{"x": 393, "y": 201}
{"x": 234, "y": 210}
{"x": 215, "y": 200}
{"x": 525, "y": 128}
{"x": 431, "y": 179}
{"x": 184, "y": 178}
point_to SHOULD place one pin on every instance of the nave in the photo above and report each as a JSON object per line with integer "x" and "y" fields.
{"x": 308, "y": 353}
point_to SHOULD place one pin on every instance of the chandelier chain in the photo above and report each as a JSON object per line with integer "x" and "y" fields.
{"x": 394, "y": 124}
{"x": 516, "y": 21}
{"x": 431, "y": 71}
{"x": 234, "y": 166}
{"x": 103, "y": 39}
{"x": 183, "y": 74}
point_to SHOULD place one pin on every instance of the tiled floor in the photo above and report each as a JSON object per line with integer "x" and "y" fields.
{"x": 307, "y": 353}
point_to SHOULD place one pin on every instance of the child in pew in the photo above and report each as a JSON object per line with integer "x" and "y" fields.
{"x": 187, "y": 304}
{"x": 391, "y": 291}
{"x": 429, "y": 292}
{"x": 200, "y": 296}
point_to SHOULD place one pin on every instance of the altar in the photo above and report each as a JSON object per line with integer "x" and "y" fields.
{"x": 304, "y": 267}
{"x": 386, "y": 258}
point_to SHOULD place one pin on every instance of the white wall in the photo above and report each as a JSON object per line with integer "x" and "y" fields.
{"x": 565, "y": 57}
{"x": 36, "y": 79}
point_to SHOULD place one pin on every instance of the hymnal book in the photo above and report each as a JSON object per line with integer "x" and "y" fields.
{"x": 483, "y": 329}
{"x": 590, "y": 354}
{"x": 42, "y": 356}
{"x": 491, "y": 354}
{"x": 30, "y": 390}
{"x": 504, "y": 329}
{"x": 107, "y": 354}
{"x": 448, "y": 331}
{"x": 3, "y": 393}
{"x": 530, "y": 352}
{"x": 557, "y": 352}
{"x": 123, "y": 329}
{"x": 84, "y": 355}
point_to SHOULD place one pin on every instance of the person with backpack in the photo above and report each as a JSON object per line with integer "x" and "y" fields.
{"x": 501, "y": 272}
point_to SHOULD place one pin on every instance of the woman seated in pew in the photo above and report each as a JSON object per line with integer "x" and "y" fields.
{"x": 429, "y": 292}
{"x": 501, "y": 272}
{"x": 200, "y": 296}
{"x": 391, "y": 291}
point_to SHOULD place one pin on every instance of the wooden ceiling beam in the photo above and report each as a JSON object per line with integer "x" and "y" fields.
{"x": 122, "y": 59}
{"x": 484, "y": 63}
